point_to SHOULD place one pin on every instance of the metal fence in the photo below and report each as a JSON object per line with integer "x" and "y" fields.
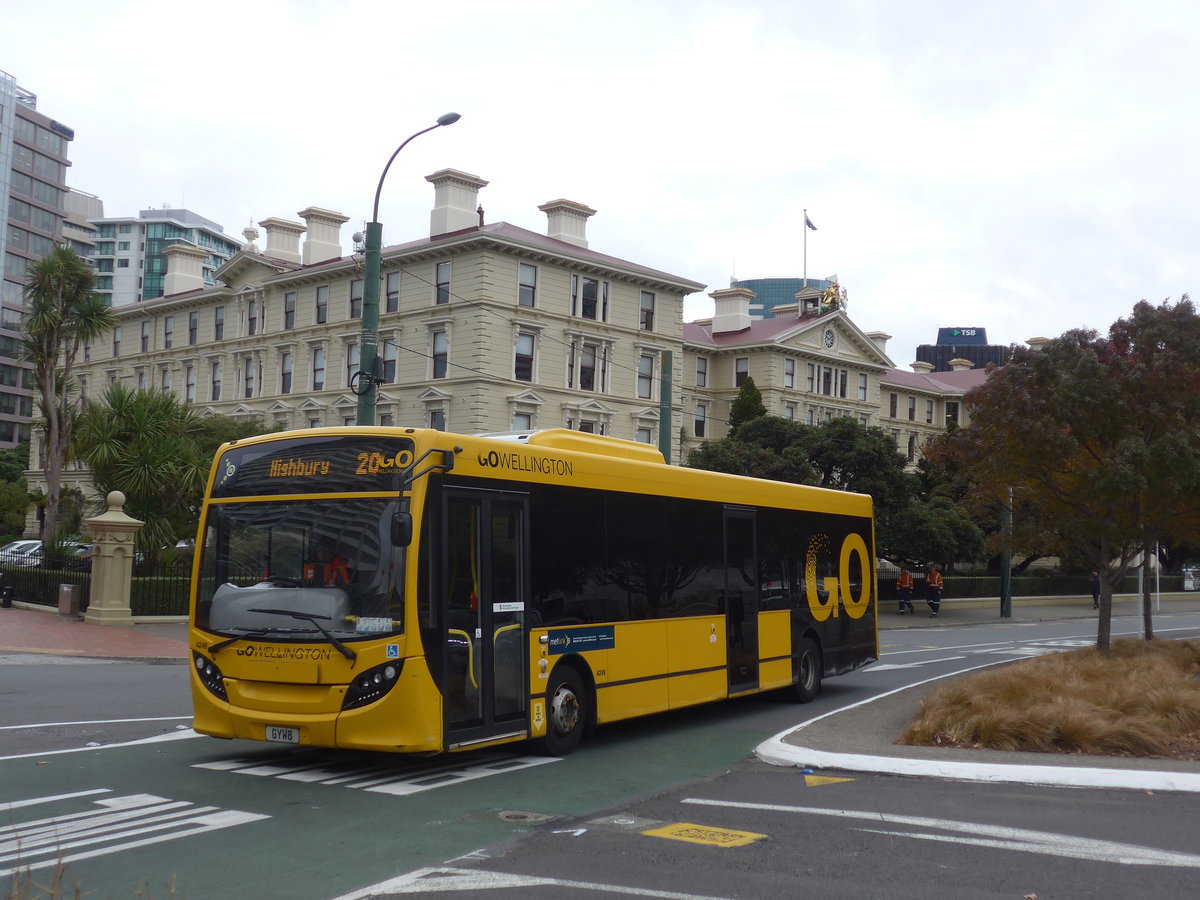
{"x": 1049, "y": 585}
{"x": 157, "y": 590}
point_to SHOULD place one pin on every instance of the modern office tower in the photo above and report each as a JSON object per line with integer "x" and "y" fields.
{"x": 131, "y": 265}
{"x": 772, "y": 292}
{"x": 33, "y": 166}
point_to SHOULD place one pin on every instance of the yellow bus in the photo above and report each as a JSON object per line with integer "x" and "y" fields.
{"x": 416, "y": 591}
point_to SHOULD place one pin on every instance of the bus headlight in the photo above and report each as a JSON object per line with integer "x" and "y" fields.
{"x": 369, "y": 686}
{"x": 210, "y": 675}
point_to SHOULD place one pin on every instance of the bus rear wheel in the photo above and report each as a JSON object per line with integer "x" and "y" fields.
{"x": 808, "y": 675}
{"x": 566, "y": 712}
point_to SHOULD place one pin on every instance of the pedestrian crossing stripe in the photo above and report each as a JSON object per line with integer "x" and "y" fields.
{"x": 818, "y": 780}
{"x": 702, "y": 834}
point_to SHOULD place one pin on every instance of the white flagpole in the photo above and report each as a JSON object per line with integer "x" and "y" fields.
{"x": 804, "y": 228}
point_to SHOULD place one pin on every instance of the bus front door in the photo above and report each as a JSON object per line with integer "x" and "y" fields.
{"x": 485, "y": 571}
{"x": 741, "y": 600}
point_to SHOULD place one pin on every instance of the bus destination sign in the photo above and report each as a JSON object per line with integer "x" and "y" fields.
{"x": 313, "y": 465}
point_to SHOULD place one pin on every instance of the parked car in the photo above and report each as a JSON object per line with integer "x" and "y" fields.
{"x": 21, "y": 553}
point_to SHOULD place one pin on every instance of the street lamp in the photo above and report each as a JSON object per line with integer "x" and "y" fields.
{"x": 367, "y": 387}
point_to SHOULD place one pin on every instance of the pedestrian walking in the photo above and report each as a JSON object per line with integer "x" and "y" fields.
{"x": 904, "y": 591}
{"x": 1095, "y": 589}
{"x": 933, "y": 591}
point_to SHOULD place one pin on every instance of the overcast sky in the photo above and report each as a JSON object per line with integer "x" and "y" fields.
{"x": 1025, "y": 167}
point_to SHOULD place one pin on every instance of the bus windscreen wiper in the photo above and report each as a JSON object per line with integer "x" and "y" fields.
{"x": 311, "y": 618}
{"x": 217, "y": 648}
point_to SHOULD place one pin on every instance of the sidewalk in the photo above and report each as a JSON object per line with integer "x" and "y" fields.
{"x": 859, "y": 738}
{"x": 37, "y": 631}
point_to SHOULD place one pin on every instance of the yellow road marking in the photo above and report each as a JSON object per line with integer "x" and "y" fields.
{"x": 818, "y": 780}
{"x": 701, "y": 834}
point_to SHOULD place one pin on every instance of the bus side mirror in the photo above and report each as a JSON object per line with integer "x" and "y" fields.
{"x": 401, "y": 529}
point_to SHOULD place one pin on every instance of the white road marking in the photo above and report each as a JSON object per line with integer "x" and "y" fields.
{"x": 439, "y": 879}
{"x": 885, "y": 667}
{"x": 400, "y": 779}
{"x": 95, "y": 722}
{"x": 119, "y": 823}
{"x": 1022, "y": 839}
{"x": 156, "y": 739}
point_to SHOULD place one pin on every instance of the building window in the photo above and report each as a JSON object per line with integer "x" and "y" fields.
{"x": 862, "y": 386}
{"x": 392, "y": 293}
{"x": 892, "y": 405}
{"x": 699, "y": 419}
{"x": 252, "y": 318}
{"x": 289, "y": 310}
{"x": 116, "y": 340}
{"x": 352, "y": 360}
{"x": 168, "y": 332}
{"x": 164, "y": 379}
{"x": 216, "y": 381}
{"x": 437, "y": 419}
{"x": 645, "y": 376}
{"x": 219, "y": 323}
{"x": 389, "y": 362}
{"x": 145, "y": 345}
{"x": 442, "y": 278}
{"x": 522, "y": 422}
{"x": 587, "y": 367}
{"x": 322, "y": 304}
{"x": 643, "y": 435}
{"x": 285, "y": 373}
{"x": 701, "y": 372}
{"x": 523, "y": 361}
{"x": 789, "y": 412}
{"x": 929, "y": 412}
{"x": 789, "y": 373}
{"x": 912, "y": 409}
{"x": 189, "y": 384}
{"x": 248, "y": 377}
{"x": 526, "y": 284}
{"x": 589, "y": 298}
{"x": 951, "y": 413}
{"x": 912, "y": 447}
{"x": 193, "y": 327}
{"x": 741, "y": 370}
{"x": 356, "y": 298}
{"x": 647, "y": 318}
{"x": 318, "y": 369}
{"x": 122, "y": 264}
{"x": 441, "y": 353}
{"x": 810, "y": 381}
{"x": 387, "y": 420}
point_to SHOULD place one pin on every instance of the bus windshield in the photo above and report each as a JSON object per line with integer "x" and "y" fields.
{"x": 289, "y": 571}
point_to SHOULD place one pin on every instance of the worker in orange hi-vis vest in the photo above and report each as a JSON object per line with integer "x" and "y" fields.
{"x": 904, "y": 591}
{"x": 933, "y": 591}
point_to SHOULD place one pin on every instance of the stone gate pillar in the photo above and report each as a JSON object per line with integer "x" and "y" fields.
{"x": 112, "y": 564}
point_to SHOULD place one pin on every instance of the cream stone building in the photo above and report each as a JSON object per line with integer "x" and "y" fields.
{"x": 483, "y": 327}
{"x": 812, "y": 363}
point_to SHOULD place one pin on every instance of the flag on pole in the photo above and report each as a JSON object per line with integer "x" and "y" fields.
{"x": 808, "y": 222}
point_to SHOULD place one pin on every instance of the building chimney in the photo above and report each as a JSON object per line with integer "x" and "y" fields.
{"x": 879, "y": 339}
{"x": 922, "y": 368}
{"x": 732, "y": 311}
{"x": 567, "y": 221}
{"x": 455, "y": 199}
{"x": 185, "y": 268}
{"x": 323, "y": 240}
{"x": 961, "y": 365}
{"x": 283, "y": 239}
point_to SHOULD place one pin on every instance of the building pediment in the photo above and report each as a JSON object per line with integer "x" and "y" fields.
{"x": 249, "y": 269}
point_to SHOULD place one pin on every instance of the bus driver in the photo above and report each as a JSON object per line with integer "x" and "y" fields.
{"x": 329, "y": 569}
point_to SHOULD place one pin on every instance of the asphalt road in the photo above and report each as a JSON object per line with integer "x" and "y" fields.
{"x": 676, "y": 806}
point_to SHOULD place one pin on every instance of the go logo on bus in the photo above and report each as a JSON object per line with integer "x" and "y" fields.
{"x": 374, "y": 463}
{"x": 823, "y": 599}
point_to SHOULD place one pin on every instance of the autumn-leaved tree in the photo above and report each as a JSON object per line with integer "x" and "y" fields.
{"x": 63, "y": 313}
{"x": 1096, "y": 437}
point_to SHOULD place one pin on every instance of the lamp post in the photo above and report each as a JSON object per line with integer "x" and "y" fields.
{"x": 368, "y": 381}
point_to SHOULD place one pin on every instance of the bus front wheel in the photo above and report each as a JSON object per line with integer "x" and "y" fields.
{"x": 808, "y": 674}
{"x": 566, "y": 712}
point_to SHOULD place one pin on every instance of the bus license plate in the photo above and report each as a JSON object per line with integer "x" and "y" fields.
{"x": 283, "y": 735}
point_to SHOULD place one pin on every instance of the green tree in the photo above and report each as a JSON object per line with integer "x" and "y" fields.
{"x": 13, "y": 462}
{"x": 63, "y": 313}
{"x": 747, "y": 405}
{"x": 1098, "y": 437}
{"x": 14, "y": 504}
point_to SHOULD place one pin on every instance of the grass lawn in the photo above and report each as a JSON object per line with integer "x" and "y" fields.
{"x": 1139, "y": 699}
